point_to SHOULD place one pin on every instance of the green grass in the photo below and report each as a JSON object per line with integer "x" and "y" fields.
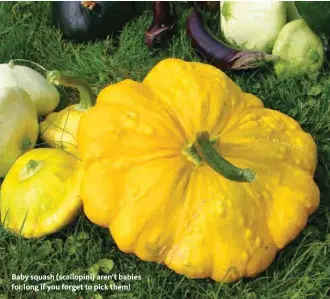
{"x": 301, "y": 270}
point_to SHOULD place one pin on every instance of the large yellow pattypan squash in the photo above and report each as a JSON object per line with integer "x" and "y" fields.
{"x": 188, "y": 170}
{"x": 40, "y": 193}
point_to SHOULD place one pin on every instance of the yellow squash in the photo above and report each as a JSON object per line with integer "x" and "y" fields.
{"x": 40, "y": 193}
{"x": 59, "y": 129}
{"x": 188, "y": 170}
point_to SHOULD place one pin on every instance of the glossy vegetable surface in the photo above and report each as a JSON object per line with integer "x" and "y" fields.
{"x": 18, "y": 126}
{"x": 186, "y": 169}
{"x": 162, "y": 22}
{"x": 218, "y": 53}
{"x": 89, "y": 20}
{"x": 40, "y": 193}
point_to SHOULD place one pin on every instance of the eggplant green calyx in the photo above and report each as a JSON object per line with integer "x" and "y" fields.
{"x": 87, "y": 98}
{"x": 251, "y": 59}
{"x": 204, "y": 151}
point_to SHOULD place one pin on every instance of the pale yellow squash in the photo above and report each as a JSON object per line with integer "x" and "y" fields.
{"x": 40, "y": 194}
{"x": 59, "y": 129}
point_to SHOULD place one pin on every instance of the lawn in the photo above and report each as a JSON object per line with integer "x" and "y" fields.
{"x": 300, "y": 270}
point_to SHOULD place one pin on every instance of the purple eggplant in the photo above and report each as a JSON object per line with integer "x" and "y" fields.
{"x": 218, "y": 53}
{"x": 162, "y": 23}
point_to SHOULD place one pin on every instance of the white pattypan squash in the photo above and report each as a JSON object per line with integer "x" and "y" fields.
{"x": 18, "y": 126}
{"x": 43, "y": 94}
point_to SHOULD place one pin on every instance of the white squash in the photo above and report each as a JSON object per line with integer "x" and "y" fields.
{"x": 43, "y": 94}
{"x": 18, "y": 126}
{"x": 252, "y": 25}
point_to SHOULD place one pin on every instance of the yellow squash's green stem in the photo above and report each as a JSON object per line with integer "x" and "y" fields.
{"x": 87, "y": 98}
{"x": 203, "y": 146}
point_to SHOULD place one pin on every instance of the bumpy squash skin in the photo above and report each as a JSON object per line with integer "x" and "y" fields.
{"x": 40, "y": 194}
{"x": 161, "y": 206}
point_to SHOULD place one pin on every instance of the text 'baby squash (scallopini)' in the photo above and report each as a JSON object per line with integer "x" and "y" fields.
{"x": 187, "y": 170}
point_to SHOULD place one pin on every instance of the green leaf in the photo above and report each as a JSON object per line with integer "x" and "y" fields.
{"x": 105, "y": 265}
{"x": 315, "y": 90}
{"x": 45, "y": 249}
{"x": 58, "y": 245}
{"x": 94, "y": 269}
{"x": 83, "y": 236}
{"x": 77, "y": 271}
{"x": 71, "y": 246}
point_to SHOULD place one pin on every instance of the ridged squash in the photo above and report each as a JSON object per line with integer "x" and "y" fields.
{"x": 188, "y": 170}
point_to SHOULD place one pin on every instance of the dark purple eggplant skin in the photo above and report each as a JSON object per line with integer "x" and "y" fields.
{"x": 81, "y": 23}
{"x": 218, "y": 53}
{"x": 213, "y": 50}
{"x": 162, "y": 23}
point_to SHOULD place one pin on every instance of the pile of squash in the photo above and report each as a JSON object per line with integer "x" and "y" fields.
{"x": 183, "y": 168}
{"x": 40, "y": 193}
